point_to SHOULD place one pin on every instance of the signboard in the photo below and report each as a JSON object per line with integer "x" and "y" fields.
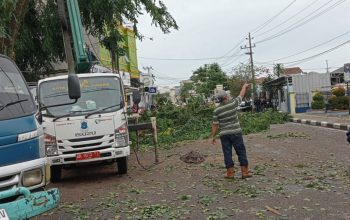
{"x": 126, "y": 78}
{"x": 347, "y": 72}
{"x": 152, "y": 90}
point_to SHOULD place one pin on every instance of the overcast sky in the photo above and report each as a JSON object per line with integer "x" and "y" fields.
{"x": 211, "y": 28}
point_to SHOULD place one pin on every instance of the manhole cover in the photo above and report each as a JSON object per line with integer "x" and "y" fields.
{"x": 192, "y": 157}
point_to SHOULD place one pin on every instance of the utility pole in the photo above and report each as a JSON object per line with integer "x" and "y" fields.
{"x": 149, "y": 74}
{"x": 250, "y": 53}
{"x": 327, "y": 66}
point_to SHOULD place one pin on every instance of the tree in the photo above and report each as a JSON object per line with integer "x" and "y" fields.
{"x": 242, "y": 74}
{"x": 278, "y": 69}
{"x": 206, "y": 78}
{"x": 22, "y": 20}
{"x": 12, "y": 14}
{"x": 185, "y": 89}
{"x": 39, "y": 43}
{"x": 101, "y": 18}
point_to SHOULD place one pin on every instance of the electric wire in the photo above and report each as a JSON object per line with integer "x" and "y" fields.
{"x": 288, "y": 19}
{"x": 317, "y": 55}
{"x": 311, "y": 48}
{"x": 230, "y": 63}
{"x": 300, "y": 22}
{"x": 188, "y": 59}
{"x": 272, "y": 18}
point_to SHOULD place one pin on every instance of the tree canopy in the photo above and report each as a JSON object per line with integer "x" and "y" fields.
{"x": 30, "y": 31}
{"x": 206, "y": 78}
{"x": 242, "y": 74}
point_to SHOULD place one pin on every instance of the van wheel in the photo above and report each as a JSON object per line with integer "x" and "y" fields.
{"x": 56, "y": 172}
{"x": 122, "y": 164}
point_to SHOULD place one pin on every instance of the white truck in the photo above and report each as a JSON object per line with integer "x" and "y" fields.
{"x": 93, "y": 129}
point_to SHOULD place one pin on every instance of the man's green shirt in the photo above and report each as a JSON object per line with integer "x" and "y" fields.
{"x": 225, "y": 115}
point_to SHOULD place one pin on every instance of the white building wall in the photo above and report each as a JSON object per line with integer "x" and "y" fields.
{"x": 310, "y": 82}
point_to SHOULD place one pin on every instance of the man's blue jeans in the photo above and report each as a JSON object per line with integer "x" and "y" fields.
{"x": 235, "y": 140}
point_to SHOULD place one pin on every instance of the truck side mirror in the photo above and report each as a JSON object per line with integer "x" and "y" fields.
{"x": 73, "y": 86}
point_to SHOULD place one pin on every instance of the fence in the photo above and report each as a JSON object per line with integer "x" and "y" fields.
{"x": 302, "y": 102}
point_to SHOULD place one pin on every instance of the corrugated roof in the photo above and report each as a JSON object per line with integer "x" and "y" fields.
{"x": 292, "y": 71}
{"x": 339, "y": 70}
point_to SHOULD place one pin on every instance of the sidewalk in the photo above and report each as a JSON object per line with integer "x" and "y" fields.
{"x": 336, "y": 120}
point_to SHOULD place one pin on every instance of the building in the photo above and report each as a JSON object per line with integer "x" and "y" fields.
{"x": 337, "y": 76}
{"x": 128, "y": 61}
{"x": 292, "y": 71}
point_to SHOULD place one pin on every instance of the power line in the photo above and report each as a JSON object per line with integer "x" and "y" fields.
{"x": 311, "y": 48}
{"x": 317, "y": 55}
{"x": 288, "y": 19}
{"x": 233, "y": 68}
{"x": 187, "y": 59}
{"x": 232, "y": 49}
{"x": 243, "y": 39}
{"x": 298, "y": 24}
{"x": 272, "y": 18}
{"x": 166, "y": 76}
{"x": 230, "y": 63}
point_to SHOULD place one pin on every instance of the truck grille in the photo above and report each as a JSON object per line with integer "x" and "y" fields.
{"x": 86, "y": 139}
{"x": 80, "y": 145}
{"x": 8, "y": 182}
{"x": 83, "y": 150}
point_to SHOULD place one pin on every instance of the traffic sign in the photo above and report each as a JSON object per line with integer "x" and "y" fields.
{"x": 152, "y": 90}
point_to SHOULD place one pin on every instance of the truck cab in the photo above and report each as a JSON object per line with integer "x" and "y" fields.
{"x": 22, "y": 154}
{"x": 94, "y": 129}
{"x": 23, "y": 165}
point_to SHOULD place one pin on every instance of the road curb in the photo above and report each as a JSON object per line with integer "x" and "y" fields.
{"x": 325, "y": 124}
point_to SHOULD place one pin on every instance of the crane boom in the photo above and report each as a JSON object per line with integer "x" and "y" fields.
{"x": 78, "y": 57}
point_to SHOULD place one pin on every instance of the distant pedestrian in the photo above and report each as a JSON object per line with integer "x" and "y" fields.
{"x": 348, "y": 135}
{"x": 226, "y": 118}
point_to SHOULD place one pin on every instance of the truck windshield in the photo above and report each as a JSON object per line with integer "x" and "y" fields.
{"x": 96, "y": 93}
{"x": 15, "y": 99}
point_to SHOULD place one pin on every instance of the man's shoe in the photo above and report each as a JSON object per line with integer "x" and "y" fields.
{"x": 230, "y": 174}
{"x": 245, "y": 172}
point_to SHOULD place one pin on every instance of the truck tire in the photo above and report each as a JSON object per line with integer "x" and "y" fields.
{"x": 56, "y": 172}
{"x": 122, "y": 164}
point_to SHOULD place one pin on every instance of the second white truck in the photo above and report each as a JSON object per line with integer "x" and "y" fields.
{"x": 94, "y": 129}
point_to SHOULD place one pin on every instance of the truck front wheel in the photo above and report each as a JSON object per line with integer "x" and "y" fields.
{"x": 122, "y": 164}
{"x": 56, "y": 172}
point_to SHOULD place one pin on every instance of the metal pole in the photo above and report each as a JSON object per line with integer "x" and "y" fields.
{"x": 155, "y": 138}
{"x": 117, "y": 57}
{"x": 347, "y": 95}
{"x": 66, "y": 36}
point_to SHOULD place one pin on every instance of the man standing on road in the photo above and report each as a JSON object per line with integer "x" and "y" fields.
{"x": 225, "y": 117}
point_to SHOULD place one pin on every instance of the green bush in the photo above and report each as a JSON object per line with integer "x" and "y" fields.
{"x": 176, "y": 124}
{"x": 339, "y": 103}
{"x": 318, "y": 101}
{"x": 317, "y": 105}
{"x": 338, "y": 92}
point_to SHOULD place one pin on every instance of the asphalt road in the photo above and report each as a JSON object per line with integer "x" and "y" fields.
{"x": 300, "y": 172}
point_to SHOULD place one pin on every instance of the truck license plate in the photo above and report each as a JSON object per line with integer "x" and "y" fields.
{"x": 3, "y": 215}
{"x": 88, "y": 155}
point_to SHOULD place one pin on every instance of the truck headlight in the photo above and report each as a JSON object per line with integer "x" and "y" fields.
{"x": 32, "y": 177}
{"x": 122, "y": 136}
{"x": 50, "y": 145}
